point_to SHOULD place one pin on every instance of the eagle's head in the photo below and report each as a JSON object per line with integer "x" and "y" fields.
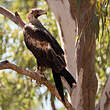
{"x": 35, "y": 13}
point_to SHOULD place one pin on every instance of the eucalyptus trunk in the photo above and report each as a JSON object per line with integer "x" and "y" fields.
{"x": 76, "y": 22}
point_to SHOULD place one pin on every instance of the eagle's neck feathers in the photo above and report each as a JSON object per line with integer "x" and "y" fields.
{"x": 36, "y": 23}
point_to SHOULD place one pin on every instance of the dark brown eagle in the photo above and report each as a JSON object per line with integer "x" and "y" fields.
{"x": 46, "y": 49}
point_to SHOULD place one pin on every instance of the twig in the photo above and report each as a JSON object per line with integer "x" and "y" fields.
{"x": 52, "y": 102}
{"x": 20, "y": 21}
{"x": 15, "y": 18}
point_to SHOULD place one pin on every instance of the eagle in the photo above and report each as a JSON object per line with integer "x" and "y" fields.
{"x": 46, "y": 50}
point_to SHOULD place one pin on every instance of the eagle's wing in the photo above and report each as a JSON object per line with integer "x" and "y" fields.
{"x": 44, "y": 35}
{"x": 55, "y": 45}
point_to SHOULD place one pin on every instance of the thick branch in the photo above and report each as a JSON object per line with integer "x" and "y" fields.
{"x": 15, "y": 18}
{"x": 80, "y": 58}
{"x": 37, "y": 77}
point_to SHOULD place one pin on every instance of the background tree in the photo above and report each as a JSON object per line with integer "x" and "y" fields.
{"x": 82, "y": 19}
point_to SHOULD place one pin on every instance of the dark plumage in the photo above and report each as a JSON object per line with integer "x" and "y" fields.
{"x": 46, "y": 49}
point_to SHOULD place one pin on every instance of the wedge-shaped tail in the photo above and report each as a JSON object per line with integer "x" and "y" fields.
{"x": 58, "y": 83}
{"x": 69, "y": 78}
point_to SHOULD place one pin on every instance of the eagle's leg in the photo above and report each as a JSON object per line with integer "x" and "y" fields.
{"x": 40, "y": 69}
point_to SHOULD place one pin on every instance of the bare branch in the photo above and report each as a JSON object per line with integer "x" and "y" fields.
{"x": 36, "y": 76}
{"x": 104, "y": 102}
{"x": 15, "y": 18}
{"x": 52, "y": 102}
{"x": 20, "y": 21}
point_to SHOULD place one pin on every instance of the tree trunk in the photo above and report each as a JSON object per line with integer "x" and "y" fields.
{"x": 76, "y": 20}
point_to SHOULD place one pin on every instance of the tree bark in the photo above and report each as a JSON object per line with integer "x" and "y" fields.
{"x": 104, "y": 102}
{"x": 75, "y": 22}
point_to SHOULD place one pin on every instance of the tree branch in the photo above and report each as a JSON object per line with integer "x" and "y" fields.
{"x": 36, "y": 76}
{"x": 52, "y": 102}
{"x": 15, "y": 18}
{"x": 104, "y": 102}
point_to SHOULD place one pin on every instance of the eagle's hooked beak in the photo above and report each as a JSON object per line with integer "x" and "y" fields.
{"x": 39, "y": 13}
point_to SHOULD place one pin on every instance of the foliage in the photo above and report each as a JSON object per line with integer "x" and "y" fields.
{"x": 103, "y": 43}
{"x": 15, "y": 92}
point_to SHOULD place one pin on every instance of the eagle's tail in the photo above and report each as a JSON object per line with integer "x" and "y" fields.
{"x": 58, "y": 83}
{"x": 69, "y": 78}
